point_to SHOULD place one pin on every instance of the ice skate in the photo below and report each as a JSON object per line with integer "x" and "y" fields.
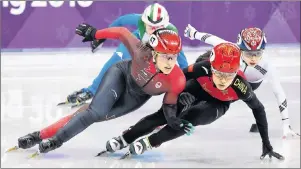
{"x": 27, "y": 141}
{"x": 77, "y": 98}
{"x": 116, "y": 143}
{"x": 138, "y": 147}
{"x": 47, "y": 145}
{"x": 127, "y": 130}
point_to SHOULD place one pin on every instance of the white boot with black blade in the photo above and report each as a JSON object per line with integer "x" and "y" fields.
{"x": 140, "y": 146}
{"x": 116, "y": 143}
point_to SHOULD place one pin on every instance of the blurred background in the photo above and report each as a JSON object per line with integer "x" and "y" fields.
{"x": 41, "y": 24}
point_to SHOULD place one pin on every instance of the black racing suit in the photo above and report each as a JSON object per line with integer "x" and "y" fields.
{"x": 211, "y": 103}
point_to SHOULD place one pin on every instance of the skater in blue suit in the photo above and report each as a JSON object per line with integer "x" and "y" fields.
{"x": 155, "y": 16}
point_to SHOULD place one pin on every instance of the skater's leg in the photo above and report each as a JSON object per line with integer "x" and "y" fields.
{"x": 126, "y": 104}
{"x": 36, "y": 137}
{"x": 51, "y": 130}
{"x": 79, "y": 97}
{"x": 120, "y": 54}
{"x": 109, "y": 91}
{"x": 200, "y": 114}
{"x": 145, "y": 126}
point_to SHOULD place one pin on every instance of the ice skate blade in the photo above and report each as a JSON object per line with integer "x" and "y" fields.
{"x": 77, "y": 105}
{"x": 101, "y": 153}
{"x": 95, "y": 50}
{"x": 72, "y": 105}
{"x": 12, "y": 149}
{"x": 34, "y": 155}
{"x": 126, "y": 156}
{"x": 63, "y": 103}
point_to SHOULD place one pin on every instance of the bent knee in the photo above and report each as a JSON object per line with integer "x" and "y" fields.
{"x": 98, "y": 115}
{"x": 89, "y": 116}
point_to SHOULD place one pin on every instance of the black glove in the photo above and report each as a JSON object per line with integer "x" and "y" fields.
{"x": 86, "y": 31}
{"x": 95, "y": 43}
{"x": 175, "y": 123}
{"x": 267, "y": 149}
{"x": 186, "y": 98}
{"x": 169, "y": 111}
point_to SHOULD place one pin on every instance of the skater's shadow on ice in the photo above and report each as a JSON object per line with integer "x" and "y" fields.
{"x": 54, "y": 156}
{"x": 201, "y": 161}
{"x": 146, "y": 157}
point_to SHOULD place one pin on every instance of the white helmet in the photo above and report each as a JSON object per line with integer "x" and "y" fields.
{"x": 155, "y": 15}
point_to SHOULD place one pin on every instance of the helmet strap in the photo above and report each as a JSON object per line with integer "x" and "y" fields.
{"x": 155, "y": 61}
{"x": 154, "y": 57}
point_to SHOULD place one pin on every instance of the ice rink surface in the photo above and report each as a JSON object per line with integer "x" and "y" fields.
{"x": 33, "y": 83}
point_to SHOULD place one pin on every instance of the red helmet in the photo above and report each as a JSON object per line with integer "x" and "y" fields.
{"x": 166, "y": 41}
{"x": 225, "y": 58}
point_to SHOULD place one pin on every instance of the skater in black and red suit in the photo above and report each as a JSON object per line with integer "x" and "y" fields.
{"x": 211, "y": 87}
{"x": 126, "y": 86}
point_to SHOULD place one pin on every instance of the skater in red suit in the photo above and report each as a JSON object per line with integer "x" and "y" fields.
{"x": 126, "y": 86}
{"x": 212, "y": 85}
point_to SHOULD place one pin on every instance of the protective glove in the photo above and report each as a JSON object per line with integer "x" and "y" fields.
{"x": 186, "y": 98}
{"x": 288, "y": 131}
{"x": 86, "y": 31}
{"x": 190, "y": 32}
{"x": 268, "y": 150}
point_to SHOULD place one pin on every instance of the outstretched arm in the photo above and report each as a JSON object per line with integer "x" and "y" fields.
{"x": 260, "y": 116}
{"x": 121, "y": 33}
{"x": 124, "y": 20}
{"x": 262, "y": 124}
{"x": 170, "y": 100}
{"x": 282, "y": 102}
{"x": 245, "y": 93}
{"x": 208, "y": 38}
{"x": 278, "y": 92}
